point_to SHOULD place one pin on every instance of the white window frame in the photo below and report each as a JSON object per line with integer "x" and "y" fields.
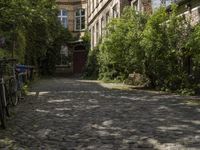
{"x": 80, "y": 18}
{"x": 61, "y": 17}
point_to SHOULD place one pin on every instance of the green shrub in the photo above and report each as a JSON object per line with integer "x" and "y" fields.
{"x": 92, "y": 67}
{"x": 120, "y": 51}
{"x": 163, "y": 47}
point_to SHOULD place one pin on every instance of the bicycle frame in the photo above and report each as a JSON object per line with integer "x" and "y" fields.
{"x": 3, "y": 100}
{"x": 3, "y": 92}
{"x": 2, "y": 83}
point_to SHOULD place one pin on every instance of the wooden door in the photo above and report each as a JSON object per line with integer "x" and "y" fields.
{"x": 79, "y": 61}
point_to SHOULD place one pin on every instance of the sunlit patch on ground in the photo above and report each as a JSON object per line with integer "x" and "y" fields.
{"x": 192, "y": 102}
{"x": 42, "y": 111}
{"x": 59, "y": 101}
{"x": 62, "y": 114}
{"x": 116, "y": 86}
{"x": 63, "y": 109}
{"x": 8, "y": 143}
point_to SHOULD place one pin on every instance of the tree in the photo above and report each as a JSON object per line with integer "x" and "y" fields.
{"x": 163, "y": 47}
{"x": 120, "y": 50}
{"x": 31, "y": 29}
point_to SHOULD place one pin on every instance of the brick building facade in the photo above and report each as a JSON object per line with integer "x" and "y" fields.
{"x": 142, "y": 5}
{"x": 99, "y": 14}
{"x": 94, "y": 15}
{"x": 73, "y": 15}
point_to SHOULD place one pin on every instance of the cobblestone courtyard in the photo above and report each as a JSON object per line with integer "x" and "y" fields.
{"x": 70, "y": 114}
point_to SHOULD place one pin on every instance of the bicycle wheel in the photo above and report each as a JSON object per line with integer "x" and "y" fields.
{"x": 15, "y": 98}
{"x": 2, "y": 114}
{"x": 8, "y": 99}
{"x": 13, "y": 92}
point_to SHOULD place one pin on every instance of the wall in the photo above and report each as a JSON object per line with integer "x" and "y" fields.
{"x": 78, "y": 58}
{"x": 71, "y": 6}
{"x": 142, "y": 5}
{"x": 191, "y": 10}
{"x": 99, "y": 14}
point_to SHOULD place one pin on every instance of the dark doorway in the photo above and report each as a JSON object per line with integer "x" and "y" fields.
{"x": 79, "y": 59}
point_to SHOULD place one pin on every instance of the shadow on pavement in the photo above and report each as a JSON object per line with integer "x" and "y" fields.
{"x": 86, "y": 115}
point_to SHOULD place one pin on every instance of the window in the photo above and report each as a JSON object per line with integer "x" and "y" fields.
{"x": 80, "y": 19}
{"x": 139, "y": 6}
{"x": 92, "y": 5}
{"x": 89, "y": 2}
{"x": 63, "y": 17}
{"x": 107, "y": 17}
{"x": 115, "y": 13}
{"x": 97, "y": 32}
{"x": 93, "y": 35}
{"x": 102, "y": 26}
{"x": 135, "y": 5}
{"x": 163, "y": 2}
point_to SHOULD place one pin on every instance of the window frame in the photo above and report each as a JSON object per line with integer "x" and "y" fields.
{"x": 80, "y": 19}
{"x": 97, "y": 32}
{"x": 102, "y": 25}
{"x": 61, "y": 17}
{"x": 115, "y": 12}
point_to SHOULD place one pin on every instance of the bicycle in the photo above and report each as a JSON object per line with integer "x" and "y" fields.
{"x": 3, "y": 95}
{"x": 6, "y": 90}
{"x": 15, "y": 86}
{"x": 3, "y": 105}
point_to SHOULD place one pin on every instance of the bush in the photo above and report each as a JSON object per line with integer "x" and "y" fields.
{"x": 92, "y": 67}
{"x": 119, "y": 55}
{"x": 151, "y": 47}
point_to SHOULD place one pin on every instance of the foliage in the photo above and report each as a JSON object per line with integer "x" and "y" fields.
{"x": 86, "y": 40}
{"x": 163, "y": 47}
{"x": 52, "y": 56}
{"x": 92, "y": 67}
{"x": 12, "y": 25}
{"x": 119, "y": 54}
{"x": 31, "y": 30}
{"x": 165, "y": 53}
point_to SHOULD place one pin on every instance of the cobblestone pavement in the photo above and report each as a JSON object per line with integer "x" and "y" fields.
{"x": 70, "y": 114}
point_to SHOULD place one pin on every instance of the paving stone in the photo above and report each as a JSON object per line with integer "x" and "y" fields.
{"x": 72, "y": 114}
